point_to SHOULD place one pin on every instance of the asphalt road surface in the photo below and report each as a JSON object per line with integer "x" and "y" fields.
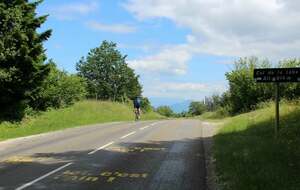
{"x": 158, "y": 155}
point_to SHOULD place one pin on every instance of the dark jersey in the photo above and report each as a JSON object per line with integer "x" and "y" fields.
{"x": 137, "y": 102}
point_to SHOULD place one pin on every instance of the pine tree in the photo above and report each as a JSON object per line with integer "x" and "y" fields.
{"x": 21, "y": 55}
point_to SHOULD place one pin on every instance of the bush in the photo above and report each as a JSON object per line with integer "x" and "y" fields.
{"x": 290, "y": 91}
{"x": 146, "y": 105}
{"x": 197, "y": 108}
{"x": 60, "y": 89}
{"x": 244, "y": 92}
{"x": 165, "y": 111}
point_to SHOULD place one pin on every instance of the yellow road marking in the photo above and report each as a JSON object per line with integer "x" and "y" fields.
{"x": 92, "y": 179}
{"x": 111, "y": 179}
{"x": 27, "y": 159}
{"x": 135, "y": 149}
{"x": 107, "y": 176}
{"x": 19, "y": 159}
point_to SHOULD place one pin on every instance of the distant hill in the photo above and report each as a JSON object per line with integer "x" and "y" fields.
{"x": 177, "y": 105}
{"x": 180, "y": 107}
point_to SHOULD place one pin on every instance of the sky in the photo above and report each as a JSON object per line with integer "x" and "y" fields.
{"x": 181, "y": 49}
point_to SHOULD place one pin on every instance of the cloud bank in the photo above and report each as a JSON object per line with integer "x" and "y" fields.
{"x": 228, "y": 28}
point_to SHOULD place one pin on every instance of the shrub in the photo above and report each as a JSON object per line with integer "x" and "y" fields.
{"x": 197, "y": 108}
{"x": 146, "y": 105}
{"x": 60, "y": 89}
{"x": 165, "y": 111}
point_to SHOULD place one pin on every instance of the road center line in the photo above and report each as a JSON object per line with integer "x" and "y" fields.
{"x": 145, "y": 127}
{"x": 128, "y": 135}
{"x": 154, "y": 123}
{"x": 43, "y": 177}
{"x": 100, "y": 148}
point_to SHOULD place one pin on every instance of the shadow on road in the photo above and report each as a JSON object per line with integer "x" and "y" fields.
{"x": 178, "y": 164}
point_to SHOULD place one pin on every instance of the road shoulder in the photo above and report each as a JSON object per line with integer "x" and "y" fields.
{"x": 209, "y": 130}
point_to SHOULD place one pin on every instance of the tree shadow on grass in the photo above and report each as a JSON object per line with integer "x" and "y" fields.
{"x": 254, "y": 159}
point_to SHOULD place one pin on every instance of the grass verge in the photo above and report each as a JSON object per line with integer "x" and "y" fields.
{"x": 248, "y": 157}
{"x": 82, "y": 113}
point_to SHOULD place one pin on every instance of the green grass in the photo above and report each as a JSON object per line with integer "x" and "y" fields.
{"x": 82, "y": 113}
{"x": 248, "y": 157}
{"x": 211, "y": 116}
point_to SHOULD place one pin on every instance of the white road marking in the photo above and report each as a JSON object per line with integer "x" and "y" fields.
{"x": 128, "y": 135}
{"x": 102, "y": 147}
{"x": 68, "y": 164}
{"x": 43, "y": 177}
{"x": 154, "y": 123}
{"x": 145, "y": 127}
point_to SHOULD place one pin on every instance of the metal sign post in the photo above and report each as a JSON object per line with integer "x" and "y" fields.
{"x": 277, "y": 76}
{"x": 277, "y": 109}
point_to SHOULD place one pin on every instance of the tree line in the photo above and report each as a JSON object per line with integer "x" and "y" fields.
{"x": 29, "y": 84}
{"x": 244, "y": 94}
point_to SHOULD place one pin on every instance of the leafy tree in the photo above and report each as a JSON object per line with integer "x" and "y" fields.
{"x": 107, "y": 74}
{"x": 146, "y": 105}
{"x": 21, "y": 55}
{"x": 197, "y": 108}
{"x": 184, "y": 114}
{"x": 60, "y": 89}
{"x": 212, "y": 103}
{"x": 165, "y": 111}
{"x": 244, "y": 92}
{"x": 290, "y": 90}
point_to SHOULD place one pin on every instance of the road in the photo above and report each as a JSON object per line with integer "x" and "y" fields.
{"x": 158, "y": 155}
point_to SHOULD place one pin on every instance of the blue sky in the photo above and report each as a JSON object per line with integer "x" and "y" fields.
{"x": 181, "y": 49}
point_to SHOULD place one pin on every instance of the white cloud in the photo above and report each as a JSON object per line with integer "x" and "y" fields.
{"x": 184, "y": 90}
{"x": 183, "y": 87}
{"x": 73, "y": 10}
{"x": 171, "y": 60}
{"x": 115, "y": 28}
{"x": 268, "y": 28}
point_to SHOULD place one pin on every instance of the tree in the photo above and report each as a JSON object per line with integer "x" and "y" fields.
{"x": 21, "y": 55}
{"x": 60, "y": 89}
{"x": 244, "y": 92}
{"x": 197, "y": 108}
{"x": 165, "y": 111}
{"x": 108, "y": 75}
{"x": 213, "y": 103}
{"x": 290, "y": 90}
{"x": 146, "y": 105}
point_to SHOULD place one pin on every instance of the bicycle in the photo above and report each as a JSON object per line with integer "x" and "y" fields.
{"x": 137, "y": 114}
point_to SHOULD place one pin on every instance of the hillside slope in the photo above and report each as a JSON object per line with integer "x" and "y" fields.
{"x": 248, "y": 156}
{"x": 82, "y": 113}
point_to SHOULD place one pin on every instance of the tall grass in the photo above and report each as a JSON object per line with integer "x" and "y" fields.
{"x": 82, "y": 113}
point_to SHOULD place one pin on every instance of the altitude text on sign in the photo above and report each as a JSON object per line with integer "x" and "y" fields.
{"x": 277, "y": 75}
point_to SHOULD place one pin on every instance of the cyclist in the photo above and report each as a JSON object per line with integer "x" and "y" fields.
{"x": 137, "y": 107}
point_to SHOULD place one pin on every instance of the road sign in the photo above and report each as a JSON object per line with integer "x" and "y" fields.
{"x": 277, "y": 75}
